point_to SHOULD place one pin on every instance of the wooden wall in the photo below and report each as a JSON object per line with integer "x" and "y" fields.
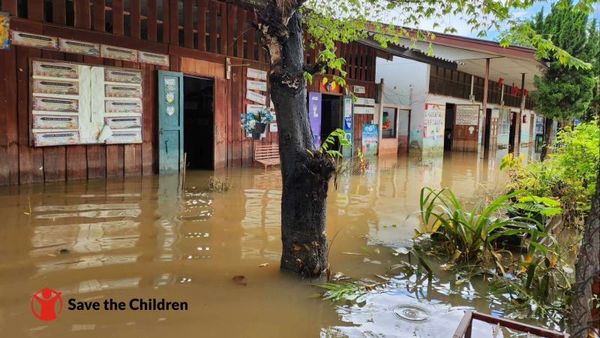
{"x": 22, "y": 164}
{"x": 198, "y": 37}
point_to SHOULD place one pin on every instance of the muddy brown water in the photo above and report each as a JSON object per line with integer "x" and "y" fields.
{"x": 132, "y": 238}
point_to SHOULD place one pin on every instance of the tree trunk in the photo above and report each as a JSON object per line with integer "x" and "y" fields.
{"x": 548, "y": 137}
{"x": 305, "y": 177}
{"x": 587, "y": 268}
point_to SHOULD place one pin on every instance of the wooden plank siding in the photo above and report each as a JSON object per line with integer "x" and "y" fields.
{"x": 198, "y": 36}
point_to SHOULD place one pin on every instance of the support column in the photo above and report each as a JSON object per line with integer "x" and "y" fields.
{"x": 486, "y": 81}
{"x": 517, "y": 144}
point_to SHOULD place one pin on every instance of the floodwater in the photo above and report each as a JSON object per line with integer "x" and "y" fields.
{"x": 143, "y": 238}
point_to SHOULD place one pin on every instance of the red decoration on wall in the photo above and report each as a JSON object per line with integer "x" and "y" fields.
{"x": 515, "y": 90}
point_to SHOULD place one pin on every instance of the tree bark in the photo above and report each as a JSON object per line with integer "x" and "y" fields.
{"x": 587, "y": 268}
{"x": 548, "y": 137}
{"x": 305, "y": 177}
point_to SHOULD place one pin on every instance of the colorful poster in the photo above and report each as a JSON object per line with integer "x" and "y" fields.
{"x": 433, "y": 122}
{"x": 4, "y": 36}
{"x": 370, "y": 138}
{"x": 314, "y": 115}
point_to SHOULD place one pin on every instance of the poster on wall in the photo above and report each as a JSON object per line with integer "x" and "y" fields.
{"x": 467, "y": 115}
{"x": 314, "y": 114}
{"x": 370, "y": 138}
{"x": 433, "y": 122}
{"x": 4, "y": 36}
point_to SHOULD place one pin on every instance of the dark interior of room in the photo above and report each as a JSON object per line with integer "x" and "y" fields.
{"x": 199, "y": 122}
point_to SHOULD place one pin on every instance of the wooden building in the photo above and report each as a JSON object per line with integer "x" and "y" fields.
{"x": 140, "y": 46}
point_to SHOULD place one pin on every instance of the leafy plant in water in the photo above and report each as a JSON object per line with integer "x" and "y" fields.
{"x": 218, "y": 185}
{"x": 469, "y": 235}
{"x": 342, "y": 291}
{"x": 541, "y": 285}
{"x": 332, "y": 149}
{"x": 534, "y": 207}
{"x": 349, "y": 291}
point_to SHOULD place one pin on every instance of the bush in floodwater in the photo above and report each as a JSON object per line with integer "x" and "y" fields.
{"x": 541, "y": 286}
{"x": 469, "y": 236}
{"x": 218, "y": 185}
{"x": 568, "y": 175}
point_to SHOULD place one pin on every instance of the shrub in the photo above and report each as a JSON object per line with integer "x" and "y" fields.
{"x": 568, "y": 175}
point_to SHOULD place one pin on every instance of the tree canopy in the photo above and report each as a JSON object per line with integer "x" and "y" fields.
{"x": 566, "y": 92}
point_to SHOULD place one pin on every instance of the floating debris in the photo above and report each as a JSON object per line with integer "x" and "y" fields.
{"x": 240, "y": 280}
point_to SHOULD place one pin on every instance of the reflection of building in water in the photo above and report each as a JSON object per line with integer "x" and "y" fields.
{"x": 261, "y": 224}
{"x": 178, "y": 211}
{"x": 96, "y": 285}
{"x": 85, "y": 262}
{"x": 86, "y": 237}
{"x": 106, "y": 227}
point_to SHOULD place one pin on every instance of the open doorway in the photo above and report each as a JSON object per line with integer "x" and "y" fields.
{"x": 512, "y": 131}
{"x": 199, "y": 121}
{"x": 449, "y": 126}
{"x": 488, "y": 131}
{"x": 331, "y": 115}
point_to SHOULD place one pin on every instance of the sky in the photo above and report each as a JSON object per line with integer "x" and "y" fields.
{"x": 463, "y": 28}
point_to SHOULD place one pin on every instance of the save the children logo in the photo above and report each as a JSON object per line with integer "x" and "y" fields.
{"x": 46, "y": 304}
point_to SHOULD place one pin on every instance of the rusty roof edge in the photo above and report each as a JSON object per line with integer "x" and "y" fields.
{"x": 411, "y": 54}
{"x": 474, "y": 44}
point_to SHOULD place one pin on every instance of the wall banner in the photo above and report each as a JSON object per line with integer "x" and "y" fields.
{"x": 314, "y": 114}
{"x": 370, "y": 138}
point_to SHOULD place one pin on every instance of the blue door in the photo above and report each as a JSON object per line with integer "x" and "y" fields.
{"x": 170, "y": 122}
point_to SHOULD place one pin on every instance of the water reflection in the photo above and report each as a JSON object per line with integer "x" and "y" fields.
{"x": 148, "y": 237}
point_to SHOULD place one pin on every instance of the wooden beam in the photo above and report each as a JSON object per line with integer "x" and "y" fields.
{"x": 241, "y": 27}
{"x": 82, "y": 14}
{"x": 10, "y": 6}
{"x": 232, "y": 30}
{"x": 173, "y": 22}
{"x": 35, "y": 10}
{"x": 464, "y": 327}
{"x": 188, "y": 24}
{"x": 223, "y": 33}
{"x": 212, "y": 7}
{"x": 151, "y": 21}
{"x": 202, "y": 5}
{"x": 250, "y": 34}
{"x": 135, "y": 20}
{"x": 99, "y": 15}
{"x": 117, "y": 17}
{"x": 59, "y": 11}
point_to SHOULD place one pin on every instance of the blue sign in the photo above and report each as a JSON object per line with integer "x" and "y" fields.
{"x": 370, "y": 138}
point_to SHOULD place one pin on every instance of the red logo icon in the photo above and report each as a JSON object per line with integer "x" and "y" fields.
{"x": 48, "y": 300}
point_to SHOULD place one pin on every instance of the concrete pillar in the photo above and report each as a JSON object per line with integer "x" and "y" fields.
{"x": 517, "y": 145}
{"x": 486, "y": 81}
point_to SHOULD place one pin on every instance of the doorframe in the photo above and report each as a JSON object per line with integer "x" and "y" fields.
{"x": 214, "y": 112}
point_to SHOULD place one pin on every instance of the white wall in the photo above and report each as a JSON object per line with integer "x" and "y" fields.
{"x": 406, "y": 83}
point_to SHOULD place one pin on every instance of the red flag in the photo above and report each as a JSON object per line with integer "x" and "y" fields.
{"x": 524, "y": 92}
